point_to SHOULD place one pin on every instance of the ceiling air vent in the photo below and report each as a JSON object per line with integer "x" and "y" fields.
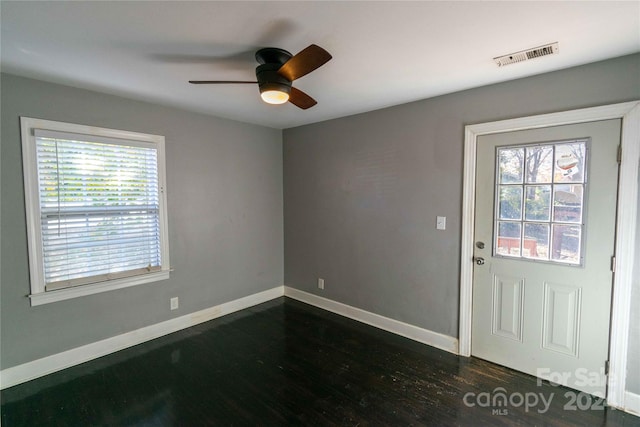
{"x": 525, "y": 55}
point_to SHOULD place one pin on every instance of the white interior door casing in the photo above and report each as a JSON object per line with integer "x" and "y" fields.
{"x": 545, "y": 318}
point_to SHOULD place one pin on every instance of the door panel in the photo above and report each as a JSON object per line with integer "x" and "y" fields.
{"x": 546, "y": 216}
{"x": 507, "y": 306}
{"x": 561, "y": 318}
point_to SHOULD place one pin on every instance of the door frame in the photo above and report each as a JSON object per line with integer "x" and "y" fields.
{"x": 629, "y": 113}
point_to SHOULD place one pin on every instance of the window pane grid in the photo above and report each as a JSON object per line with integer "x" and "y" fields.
{"x": 540, "y": 201}
{"x": 100, "y": 207}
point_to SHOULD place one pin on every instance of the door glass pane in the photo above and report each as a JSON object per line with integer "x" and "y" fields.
{"x": 569, "y": 164}
{"x": 567, "y": 203}
{"x": 510, "y": 165}
{"x": 566, "y": 243}
{"x": 536, "y": 241}
{"x": 508, "y": 238}
{"x": 537, "y": 202}
{"x": 510, "y": 202}
{"x": 539, "y": 164}
{"x": 540, "y": 191}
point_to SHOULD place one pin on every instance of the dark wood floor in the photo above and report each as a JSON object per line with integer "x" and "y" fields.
{"x": 287, "y": 363}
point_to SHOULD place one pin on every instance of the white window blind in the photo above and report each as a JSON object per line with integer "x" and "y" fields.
{"x": 99, "y": 208}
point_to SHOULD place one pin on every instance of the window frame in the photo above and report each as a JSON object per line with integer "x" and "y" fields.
{"x": 38, "y": 293}
{"x": 551, "y": 222}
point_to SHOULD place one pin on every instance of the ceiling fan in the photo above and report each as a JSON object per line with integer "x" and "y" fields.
{"x": 277, "y": 70}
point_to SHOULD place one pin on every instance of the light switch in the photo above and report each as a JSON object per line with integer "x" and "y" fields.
{"x": 441, "y": 223}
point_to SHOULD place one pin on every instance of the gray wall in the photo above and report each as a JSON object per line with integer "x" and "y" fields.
{"x": 362, "y": 193}
{"x": 224, "y": 182}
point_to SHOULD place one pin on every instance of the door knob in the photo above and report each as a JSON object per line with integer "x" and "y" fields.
{"x": 479, "y": 260}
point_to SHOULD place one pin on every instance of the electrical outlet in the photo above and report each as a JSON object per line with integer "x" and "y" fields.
{"x": 320, "y": 283}
{"x": 174, "y": 303}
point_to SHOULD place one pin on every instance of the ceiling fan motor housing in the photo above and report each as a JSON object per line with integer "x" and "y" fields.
{"x": 272, "y": 55}
{"x": 269, "y": 79}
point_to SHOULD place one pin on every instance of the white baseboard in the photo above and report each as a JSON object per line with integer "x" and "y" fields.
{"x": 47, "y": 365}
{"x": 56, "y": 362}
{"x": 66, "y": 359}
{"x": 632, "y": 403}
{"x": 425, "y": 336}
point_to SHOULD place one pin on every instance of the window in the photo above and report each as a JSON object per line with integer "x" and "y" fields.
{"x": 96, "y": 209}
{"x": 540, "y": 191}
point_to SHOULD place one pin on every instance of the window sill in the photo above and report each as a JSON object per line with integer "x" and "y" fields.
{"x": 95, "y": 288}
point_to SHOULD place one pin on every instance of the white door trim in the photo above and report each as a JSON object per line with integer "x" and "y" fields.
{"x": 629, "y": 112}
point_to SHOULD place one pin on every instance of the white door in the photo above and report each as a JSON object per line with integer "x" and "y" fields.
{"x": 544, "y": 237}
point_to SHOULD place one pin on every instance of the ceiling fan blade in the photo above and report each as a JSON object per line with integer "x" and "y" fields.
{"x": 301, "y": 99}
{"x": 304, "y": 62}
{"x": 219, "y": 82}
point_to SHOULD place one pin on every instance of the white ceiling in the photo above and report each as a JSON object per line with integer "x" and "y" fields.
{"x": 384, "y": 53}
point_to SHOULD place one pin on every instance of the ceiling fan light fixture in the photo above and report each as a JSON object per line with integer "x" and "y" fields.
{"x": 275, "y": 92}
{"x": 274, "y": 96}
